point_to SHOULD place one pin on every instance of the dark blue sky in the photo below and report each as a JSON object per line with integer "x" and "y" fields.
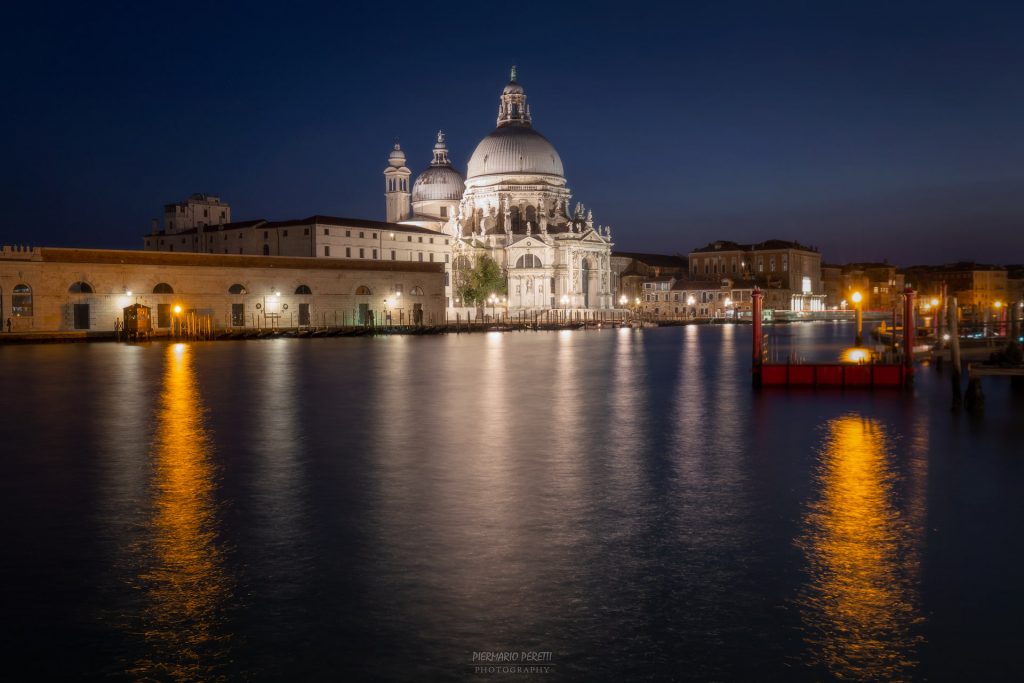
{"x": 872, "y": 130}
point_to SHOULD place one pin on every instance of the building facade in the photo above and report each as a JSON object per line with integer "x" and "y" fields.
{"x": 879, "y": 283}
{"x": 513, "y": 206}
{"x": 51, "y": 290}
{"x": 775, "y": 265}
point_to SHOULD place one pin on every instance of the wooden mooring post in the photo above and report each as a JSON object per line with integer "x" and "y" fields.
{"x": 954, "y": 351}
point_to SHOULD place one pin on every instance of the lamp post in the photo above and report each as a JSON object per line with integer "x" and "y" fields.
{"x": 859, "y": 339}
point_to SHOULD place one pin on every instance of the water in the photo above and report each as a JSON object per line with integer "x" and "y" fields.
{"x": 383, "y": 508}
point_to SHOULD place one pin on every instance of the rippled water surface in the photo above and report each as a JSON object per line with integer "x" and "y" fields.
{"x": 386, "y": 507}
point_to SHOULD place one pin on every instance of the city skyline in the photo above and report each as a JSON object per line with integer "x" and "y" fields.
{"x": 871, "y": 133}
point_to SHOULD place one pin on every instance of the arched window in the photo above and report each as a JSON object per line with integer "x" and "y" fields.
{"x": 163, "y": 288}
{"x": 528, "y": 261}
{"x": 80, "y": 288}
{"x": 363, "y": 290}
{"x": 236, "y": 289}
{"x": 21, "y": 301}
{"x": 303, "y": 289}
{"x": 416, "y": 291}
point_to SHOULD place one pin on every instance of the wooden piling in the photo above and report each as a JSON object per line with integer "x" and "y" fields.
{"x": 954, "y": 352}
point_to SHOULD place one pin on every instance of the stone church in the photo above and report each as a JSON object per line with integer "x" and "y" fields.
{"x": 514, "y": 206}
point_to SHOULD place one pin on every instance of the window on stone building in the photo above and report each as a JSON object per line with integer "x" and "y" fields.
{"x": 421, "y": 256}
{"x": 80, "y": 288}
{"x": 21, "y": 301}
{"x": 447, "y": 278}
{"x": 163, "y": 288}
{"x": 392, "y": 254}
{"x": 327, "y": 231}
{"x": 266, "y": 250}
{"x": 421, "y": 240}
{"x": 374, "y": 254}
{"x": 373, "y": 235}
{"x": 361, "y": 252}
{"x": 446, "y": 258}
{"x": 303, "y": 289}
{"x": 363, "y": 290}
{"x": 327, "y": 251}
{"x": 236, "y": 289}
{"x": 416, "y": 291}
{"x": 410, "y": 238}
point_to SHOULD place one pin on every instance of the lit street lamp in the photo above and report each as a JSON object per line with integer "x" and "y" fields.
{"x": 859, "y": 339}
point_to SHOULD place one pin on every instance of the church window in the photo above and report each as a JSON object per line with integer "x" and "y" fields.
{"x": 80, "y": 288}
{"x": 528, "y": 261}
{"x": 303, "y": 289}
{"x": 163, "y": 288}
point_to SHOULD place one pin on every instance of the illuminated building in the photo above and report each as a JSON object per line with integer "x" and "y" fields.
{"x": 513, "y": 206}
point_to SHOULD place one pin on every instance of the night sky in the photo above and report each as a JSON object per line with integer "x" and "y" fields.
{"x": 874, "y": 131}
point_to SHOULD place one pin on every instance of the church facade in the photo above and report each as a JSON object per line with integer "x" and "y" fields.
{"x": 514, "y": 206}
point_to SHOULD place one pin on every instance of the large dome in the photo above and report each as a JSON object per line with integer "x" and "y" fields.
{"x": 515, "y": 149}
{"x": 438, "y": 182}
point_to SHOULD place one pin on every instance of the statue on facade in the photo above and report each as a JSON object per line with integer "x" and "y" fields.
{"x": 529, "y": 228}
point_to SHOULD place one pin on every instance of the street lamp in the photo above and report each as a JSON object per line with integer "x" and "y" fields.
{"x": 623, "y": 301}
{"x": 859, "y": 339}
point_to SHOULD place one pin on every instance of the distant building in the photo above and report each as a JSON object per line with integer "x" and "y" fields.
{"x": 321, "y": 236}
{"x": 631, "y": 269}
{"x": 667, "y": 297}
{"x": 879, "y": 283}
{"x": 977, "y": 286}
{"x": 197, "y": 211}
{"x": 51, "y": 290}
{"x": 773, "y": 265}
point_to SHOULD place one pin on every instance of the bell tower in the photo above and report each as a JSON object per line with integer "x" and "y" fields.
{"x": 396, "y": 186}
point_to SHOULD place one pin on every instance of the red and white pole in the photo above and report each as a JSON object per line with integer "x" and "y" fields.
{"x": 757, "y": 306}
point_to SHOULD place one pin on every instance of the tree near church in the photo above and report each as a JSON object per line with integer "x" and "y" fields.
{"x": 474, "y": 285}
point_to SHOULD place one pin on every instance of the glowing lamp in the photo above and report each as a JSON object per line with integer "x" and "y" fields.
{"x": 177, "y": 309}
{"x": 856, "y": 297}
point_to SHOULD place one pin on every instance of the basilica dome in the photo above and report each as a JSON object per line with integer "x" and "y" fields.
{"x": 514, "y": 149}
{"x": 438, "y": 182}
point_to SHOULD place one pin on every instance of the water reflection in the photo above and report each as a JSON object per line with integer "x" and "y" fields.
{"x": 860, "y": 606}
{"x": 182, "y": 574}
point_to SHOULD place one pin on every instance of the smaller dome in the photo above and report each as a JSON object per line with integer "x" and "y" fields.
{"x": 438, "y": 183}
{"x": 512, "y": 88}
{"x": 397, "y": 156}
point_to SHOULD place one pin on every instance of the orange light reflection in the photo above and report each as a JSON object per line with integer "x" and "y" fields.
{"x": 860, "y": 606}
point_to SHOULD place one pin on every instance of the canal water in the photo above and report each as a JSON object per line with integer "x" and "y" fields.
{"x": 386, "y": 507}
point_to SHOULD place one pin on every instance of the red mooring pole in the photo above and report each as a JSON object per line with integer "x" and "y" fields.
{"x": 757, "y": 297}
{"x": 908, "y": 331}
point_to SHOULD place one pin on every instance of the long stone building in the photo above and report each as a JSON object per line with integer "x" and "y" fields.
{"x": 50, "y": 290}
